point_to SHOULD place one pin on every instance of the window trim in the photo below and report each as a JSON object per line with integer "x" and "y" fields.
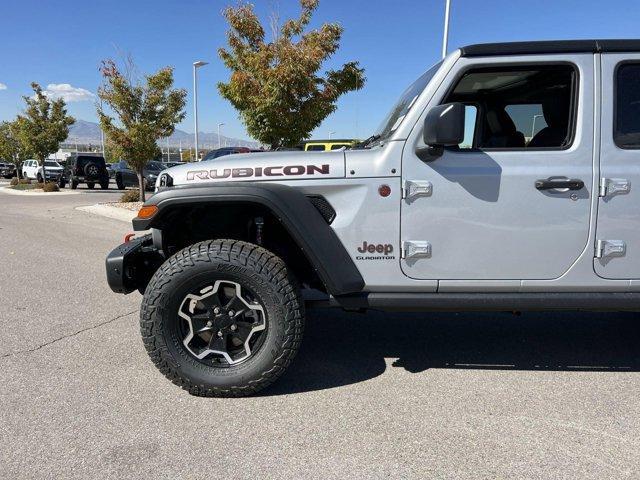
{"x": 573, "y": 108}
{"x": 614, "y": 122}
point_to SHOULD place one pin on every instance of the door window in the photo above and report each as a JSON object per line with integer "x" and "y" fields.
{"x": 626, "y": 129}
{"x": 517, "y": 107}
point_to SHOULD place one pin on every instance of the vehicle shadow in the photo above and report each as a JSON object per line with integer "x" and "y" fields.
{"x": 344, "y": 348}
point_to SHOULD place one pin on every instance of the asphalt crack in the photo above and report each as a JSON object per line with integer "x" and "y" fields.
{"x": 70, "y": 335}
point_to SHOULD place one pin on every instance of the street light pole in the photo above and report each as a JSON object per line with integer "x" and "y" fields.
{"x": 196, "y": 65}
{"x": 219, "y": 125}
{"x": 445, "y": 38}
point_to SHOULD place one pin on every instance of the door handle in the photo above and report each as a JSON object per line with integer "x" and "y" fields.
{"x": 559, "y": 183}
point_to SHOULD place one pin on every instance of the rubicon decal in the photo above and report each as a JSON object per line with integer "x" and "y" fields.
{"x": 254, "y": 172}
{"x": 375, "y": 251}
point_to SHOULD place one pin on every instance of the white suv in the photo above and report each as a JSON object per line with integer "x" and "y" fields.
{"x": 32, "y": 169}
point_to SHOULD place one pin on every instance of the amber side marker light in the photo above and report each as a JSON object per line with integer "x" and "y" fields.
{"x": 147, "y": 211}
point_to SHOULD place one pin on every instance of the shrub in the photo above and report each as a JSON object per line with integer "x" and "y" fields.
{"x": 14, "y": 181}
{"x": 39, "y": 185}
{"x": 51, "y": 187}
{"x": 130, "y": 196}
{"x": 25, "y": 181}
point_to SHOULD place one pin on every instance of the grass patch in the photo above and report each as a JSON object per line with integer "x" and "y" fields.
{"x": 47, "y": 187}
{"x": 25, "y": 186}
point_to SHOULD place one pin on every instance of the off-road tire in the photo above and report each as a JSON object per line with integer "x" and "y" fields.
{"x": 104, "y": 185}
{"x": 254, "y": 268}
{"x": 120, "y": 183}
{"x": 73, "y": 183}
{"x": 39, "y": 178}
{"x": 90, "y": 185}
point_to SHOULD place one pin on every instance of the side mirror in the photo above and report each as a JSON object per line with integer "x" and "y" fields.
{"x": 443, "y": 127}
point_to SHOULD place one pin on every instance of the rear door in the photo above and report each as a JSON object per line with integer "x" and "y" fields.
{"x": 618, "y": 228}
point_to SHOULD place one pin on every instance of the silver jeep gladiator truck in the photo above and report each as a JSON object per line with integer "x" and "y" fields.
{"x": 502, "y": 179}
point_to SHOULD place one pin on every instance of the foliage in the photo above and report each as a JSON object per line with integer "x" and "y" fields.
{"x": 147, "y": 111}
{"x": 275, "y": 85}
{"x": 14, "y": 181}
{"x": 130, "y": 196}
{"x": 25, "y": 181}
{"x": 10, "y": 147}
{"x": 43, "y": 125}
{"x": 51, "y": 187}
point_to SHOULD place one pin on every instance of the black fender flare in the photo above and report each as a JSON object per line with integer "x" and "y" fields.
{"x": 303, "y": 222}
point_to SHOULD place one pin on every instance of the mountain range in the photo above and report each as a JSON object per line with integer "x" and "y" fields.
{"x": 85, "y": 132}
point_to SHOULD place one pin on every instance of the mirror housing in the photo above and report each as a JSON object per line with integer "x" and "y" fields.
{"x": 443, "y": 127}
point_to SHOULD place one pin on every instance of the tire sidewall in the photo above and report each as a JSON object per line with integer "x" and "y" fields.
{"x": 197, "y": 276}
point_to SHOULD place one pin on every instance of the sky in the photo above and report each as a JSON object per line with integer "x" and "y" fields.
{"x": 60, "y": 44}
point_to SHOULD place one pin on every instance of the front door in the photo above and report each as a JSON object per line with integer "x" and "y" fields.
{"x": 508, "y": 202}
{"x": 618, "y": 230}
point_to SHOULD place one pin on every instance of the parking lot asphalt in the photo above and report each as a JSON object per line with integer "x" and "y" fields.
{"x": 548, "y": 395}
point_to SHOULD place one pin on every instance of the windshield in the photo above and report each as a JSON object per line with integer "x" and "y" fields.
{"x": 49, "y": 163}
{"x": 393, "y": 120}
{"x": 155, "y": 166}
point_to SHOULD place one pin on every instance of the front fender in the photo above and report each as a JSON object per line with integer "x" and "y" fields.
{"x": 291, "y": 207}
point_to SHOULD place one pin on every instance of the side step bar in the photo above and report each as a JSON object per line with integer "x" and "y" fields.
{"x": 508, "y": 302}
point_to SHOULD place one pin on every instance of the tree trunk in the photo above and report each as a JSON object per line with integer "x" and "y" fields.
{"x": 141, "y": 186}
{"x": 44, "y": 173}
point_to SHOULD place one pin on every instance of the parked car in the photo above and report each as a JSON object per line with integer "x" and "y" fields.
{"x": 126, "y": 177}
{"x": 7, "y": 170}
{"x": 221, "y": 152}
{"x": 53, "y": 170}
{"x": 87, "y": 168}
{"x": 327, "y": 145}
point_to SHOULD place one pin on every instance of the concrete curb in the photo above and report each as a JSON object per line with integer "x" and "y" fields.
{"x": 108, "y": 211}
{"x": 64, "y": 191}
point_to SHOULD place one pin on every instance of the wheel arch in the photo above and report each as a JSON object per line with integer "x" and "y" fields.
{"x": 224, "y": 210}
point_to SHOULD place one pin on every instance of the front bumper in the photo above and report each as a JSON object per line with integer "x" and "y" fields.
{"x": 131, "y": 265}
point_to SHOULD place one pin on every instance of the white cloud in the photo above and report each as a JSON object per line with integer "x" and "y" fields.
{"x": 3, "y": 86}
{"x": 68, "y": 93}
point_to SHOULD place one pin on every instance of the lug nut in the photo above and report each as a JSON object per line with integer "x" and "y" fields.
{"x": 209, "y": 324}
{"x": 216, "y": 310}
{"x": 219, "y": 333}
{"x": 233, "y": 327}
{"x": 231, "y": 313}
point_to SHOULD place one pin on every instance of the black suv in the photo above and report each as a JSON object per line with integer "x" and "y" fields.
{"x": 87, "y": 168}
{"x": 126, "y": 177}
{"x": 7, "y": 170}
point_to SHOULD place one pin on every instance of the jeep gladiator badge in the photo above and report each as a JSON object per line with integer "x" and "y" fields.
{"x": 384, "y": 251}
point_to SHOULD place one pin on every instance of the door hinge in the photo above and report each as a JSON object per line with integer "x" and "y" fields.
{"x": 415, "y": 249}
{"x": 416, "y": 188}
{"x": 614, "y": 186}
{"x": 610, "y": 248}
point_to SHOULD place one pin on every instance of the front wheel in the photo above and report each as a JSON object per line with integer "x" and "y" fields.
{"x": 222, "y": 318}
{"x": 90, "y": 185}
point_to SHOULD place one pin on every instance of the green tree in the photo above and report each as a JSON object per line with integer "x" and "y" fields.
{"x": 43, "y": 125}
{"x": 147, "y": 111}
{"x": 10, "y": 147}
{"x": 275, "y": 85}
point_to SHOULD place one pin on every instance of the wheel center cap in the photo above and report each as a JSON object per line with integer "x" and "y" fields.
{"x": 223, "y": 320}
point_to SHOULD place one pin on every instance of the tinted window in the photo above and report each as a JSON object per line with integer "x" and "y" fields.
{"x": 626, "y": 131}
{"x": 315, "y": 148}
{"x": 518, "y": 107}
